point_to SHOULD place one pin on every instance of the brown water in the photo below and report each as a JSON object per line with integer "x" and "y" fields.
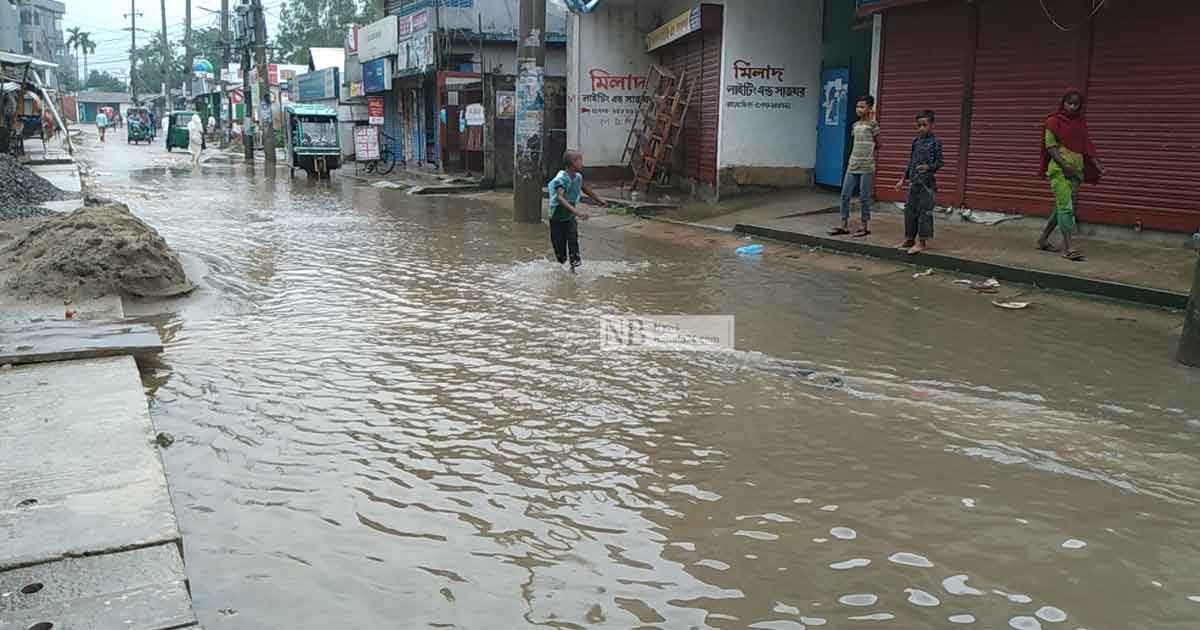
{"x": 391, "y": 411}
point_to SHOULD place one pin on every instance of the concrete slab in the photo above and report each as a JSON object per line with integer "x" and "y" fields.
{"x": 143, "y": 588}
{"x": 23, "y": 313}
{"x": 80, "y": 469}
{"x": 64, "y": 176}
{"x": 69, "y": 340}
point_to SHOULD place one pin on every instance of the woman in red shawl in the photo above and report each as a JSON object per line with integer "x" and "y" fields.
{"x": 1068, "y": 158}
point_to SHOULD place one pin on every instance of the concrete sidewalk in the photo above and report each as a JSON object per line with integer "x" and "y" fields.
{"x": 1151, "y": 268}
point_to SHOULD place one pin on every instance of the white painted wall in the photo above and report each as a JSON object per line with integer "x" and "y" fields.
{"x": 608, "y": 40}
{"x": 771, "y": 131}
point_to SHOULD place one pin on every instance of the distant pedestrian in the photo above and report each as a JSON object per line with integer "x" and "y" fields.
{"x": 924, "y": 162}
{"x": 101, "y": 124}
{"x": 1068, "y": 159}
{"x": 565, "y": 193}
{"x": 212, "y": 127}
{"x": 860, "y": 172}
{"x": 195, "y": 138}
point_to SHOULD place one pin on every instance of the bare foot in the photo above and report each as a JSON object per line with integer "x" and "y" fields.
{"x": 917, "y": 249}
{"x": 905, "y": 245}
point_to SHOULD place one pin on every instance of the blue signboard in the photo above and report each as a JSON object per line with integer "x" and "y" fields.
{"x": 375, "y": 76}
{"x": 317, "y": 86}
{"x": 831, "y": 130}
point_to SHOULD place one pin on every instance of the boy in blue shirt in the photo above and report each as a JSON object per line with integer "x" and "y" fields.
{"x": 565, "y": 192}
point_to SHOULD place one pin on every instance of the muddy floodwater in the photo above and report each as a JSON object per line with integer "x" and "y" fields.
{"x": 394, "y": 412}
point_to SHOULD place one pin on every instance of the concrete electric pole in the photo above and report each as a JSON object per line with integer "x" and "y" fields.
{"x": 167, "y": 104}
{"x": 222, "y": 124}
{"x": 530, "y": 137}
{"x": 187, "y": 53}
{"x": 264, "y": 86}
{"x": 1189, "y": 342}
{"x": 133, "y": 16}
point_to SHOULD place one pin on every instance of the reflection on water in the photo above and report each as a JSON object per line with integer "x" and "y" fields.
{"x": 395, "y": 412}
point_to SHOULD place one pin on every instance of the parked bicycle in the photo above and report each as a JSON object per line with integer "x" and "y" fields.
{"x": 387, "y": 157}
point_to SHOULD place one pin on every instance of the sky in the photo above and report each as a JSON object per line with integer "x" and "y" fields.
{"x": 106, "y": 21}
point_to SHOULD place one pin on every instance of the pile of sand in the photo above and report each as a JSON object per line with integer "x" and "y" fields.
{"x": 99, "y": 249}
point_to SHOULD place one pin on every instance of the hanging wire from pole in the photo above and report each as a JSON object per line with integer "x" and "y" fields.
{"x": 1096, "y": 6}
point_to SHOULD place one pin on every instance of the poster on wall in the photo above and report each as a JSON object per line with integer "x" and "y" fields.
{"x": 366, "y": 143}
{"x": 375, "y": 110}
{"x": 762, "y": 88}
{"x": 506, "y": 104}
{"x": 475, "y": 115}
{"x": 531, "y": 110}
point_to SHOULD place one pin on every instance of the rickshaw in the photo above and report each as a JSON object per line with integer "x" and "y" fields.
{"x": 312, "y": 139}
{"x": 139, "y": 128}
{"x": 177, "y": 129}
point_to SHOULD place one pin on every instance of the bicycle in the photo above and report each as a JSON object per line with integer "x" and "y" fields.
{"x": 387, "y": 159}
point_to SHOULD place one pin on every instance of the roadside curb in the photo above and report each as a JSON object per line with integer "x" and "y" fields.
{"x": 1044, "y": 279}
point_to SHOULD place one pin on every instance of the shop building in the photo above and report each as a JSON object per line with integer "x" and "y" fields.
{"x": 756, "y": 68}
{"x": 994, "y": 69}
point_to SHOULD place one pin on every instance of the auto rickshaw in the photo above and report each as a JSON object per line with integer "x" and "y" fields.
{"x": 177, "y": 129}
{"x": 312, "y": 139}
{"x": 139, "y": 128}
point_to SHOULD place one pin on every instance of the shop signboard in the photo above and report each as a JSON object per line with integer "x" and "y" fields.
{"x": 685, "y": 23}
{"x": 317, "y": 86}
{"x": 375, "y": 110}
{"x": 379, "y": 39}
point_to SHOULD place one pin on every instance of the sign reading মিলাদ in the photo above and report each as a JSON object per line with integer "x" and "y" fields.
{"x": 607, "y": 109}
{"x": 758, "y": 87}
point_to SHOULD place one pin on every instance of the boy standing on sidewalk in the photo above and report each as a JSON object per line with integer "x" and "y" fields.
{"x": 565, "y": 192}
{"x": 860, "y": 172}
{"x": 924, "y": 161}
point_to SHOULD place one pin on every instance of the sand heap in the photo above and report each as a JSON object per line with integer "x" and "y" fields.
{"x": 99, "y": 249}
{"x": 23, "y": 190}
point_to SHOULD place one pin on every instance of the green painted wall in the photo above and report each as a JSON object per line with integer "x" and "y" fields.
{"x": 843, "y": 46}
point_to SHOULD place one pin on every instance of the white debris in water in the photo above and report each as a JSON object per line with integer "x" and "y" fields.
{"x": 853, "y": 563}
{"x": 757, "y": 535}
{"x": 1051, "y": 614}
{"x": 910, "y": 559}
{"x": 686, "y": 546}
{"x": 1073, "y": 543}
{"x": 962, "y": 619}
{"x": 1024, "y": 623}
{"x": 769, "y": 516}
{"x": 968, "y": 503}
{"x": 844, "y": 533}
{"x": 859, "y": 599}
{"x": 917, "y": 597}
{"x": 873, "y": 617}
{"x": 957, "y": 585}
{"x": 713, "y": 564}
{"x": 1015, "y": 598}
{"x": 1156, "y": 583}
{"x": 813, "y": 621}
{"x": 802, "y": 500}
{"x": 1194, "y": 598}
{"x": 829, "y": 508}
{"x": 820, "y": 540}
{"x": 781, "y": 607}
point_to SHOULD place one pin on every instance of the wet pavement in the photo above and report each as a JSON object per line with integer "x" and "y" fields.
{"x": 392, "y": 411}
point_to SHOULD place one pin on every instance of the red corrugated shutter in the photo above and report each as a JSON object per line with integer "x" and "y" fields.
{"x": 698, "y": 56}
{"x": 924, "y": 53}
{"x": 1142, "y": 104}
{"x": 1023, "y": 64}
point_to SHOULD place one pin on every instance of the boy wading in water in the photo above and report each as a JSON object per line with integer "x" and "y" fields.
{"x": 1069, "y": 159}
{"x": 565, "y": 191}
{"x": 924, "y": 161}
{"x": 860, "y": 172}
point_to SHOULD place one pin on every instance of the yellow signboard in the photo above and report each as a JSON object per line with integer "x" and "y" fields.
{"x": 685, "y": 23}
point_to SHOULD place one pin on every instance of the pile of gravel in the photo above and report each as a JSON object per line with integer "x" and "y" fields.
{"x": 23, "y": 190}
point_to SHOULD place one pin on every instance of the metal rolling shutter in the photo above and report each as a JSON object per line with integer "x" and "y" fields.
{"x": 924, "y": 53}
{"x": 1023, "y": 64}
{"x": 698, "y": 56}
{"x": 1142, "y": 94}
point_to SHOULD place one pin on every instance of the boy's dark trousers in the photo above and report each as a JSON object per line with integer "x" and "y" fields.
{"x": 918, "y": 212}
{"x": 565, "y": 237}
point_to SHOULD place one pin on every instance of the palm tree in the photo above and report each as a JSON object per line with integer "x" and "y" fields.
{"x": 73, "y": 43}
{"x": 88, "y": 46}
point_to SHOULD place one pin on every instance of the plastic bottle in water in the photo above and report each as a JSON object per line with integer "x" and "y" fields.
{"x": 750, "y": 250}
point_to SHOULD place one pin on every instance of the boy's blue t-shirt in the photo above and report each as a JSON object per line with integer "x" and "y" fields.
{"x": 572, "y": 189}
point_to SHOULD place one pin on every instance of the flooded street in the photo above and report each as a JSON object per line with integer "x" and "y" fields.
{"x": 393, "y": 411}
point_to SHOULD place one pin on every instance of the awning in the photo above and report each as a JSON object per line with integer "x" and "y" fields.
{"x": 870, "y": 7}
{"x": 13, "y": 59}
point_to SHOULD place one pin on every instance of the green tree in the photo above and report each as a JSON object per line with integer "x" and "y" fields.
{"x": 305, "y": 24}
{"x": 152, "y": 72}
{"x": 73, "y": 44}
{"x": 105, "y": 82}
{"x": 88, "y": 47}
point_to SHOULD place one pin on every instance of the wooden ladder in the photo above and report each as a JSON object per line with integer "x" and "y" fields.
{"x": 657, "y": 126}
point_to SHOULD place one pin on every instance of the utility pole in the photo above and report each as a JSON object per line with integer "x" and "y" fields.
{"x": 221, "y": 124}
{"x": 166, "y": 59}
{"x": 1189, "y": 342}
{"x": 187, "y": 51}
{"x": 530, "y": 137}
{"x": 264, "y": 86}
{"x": 133, "y": 16}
